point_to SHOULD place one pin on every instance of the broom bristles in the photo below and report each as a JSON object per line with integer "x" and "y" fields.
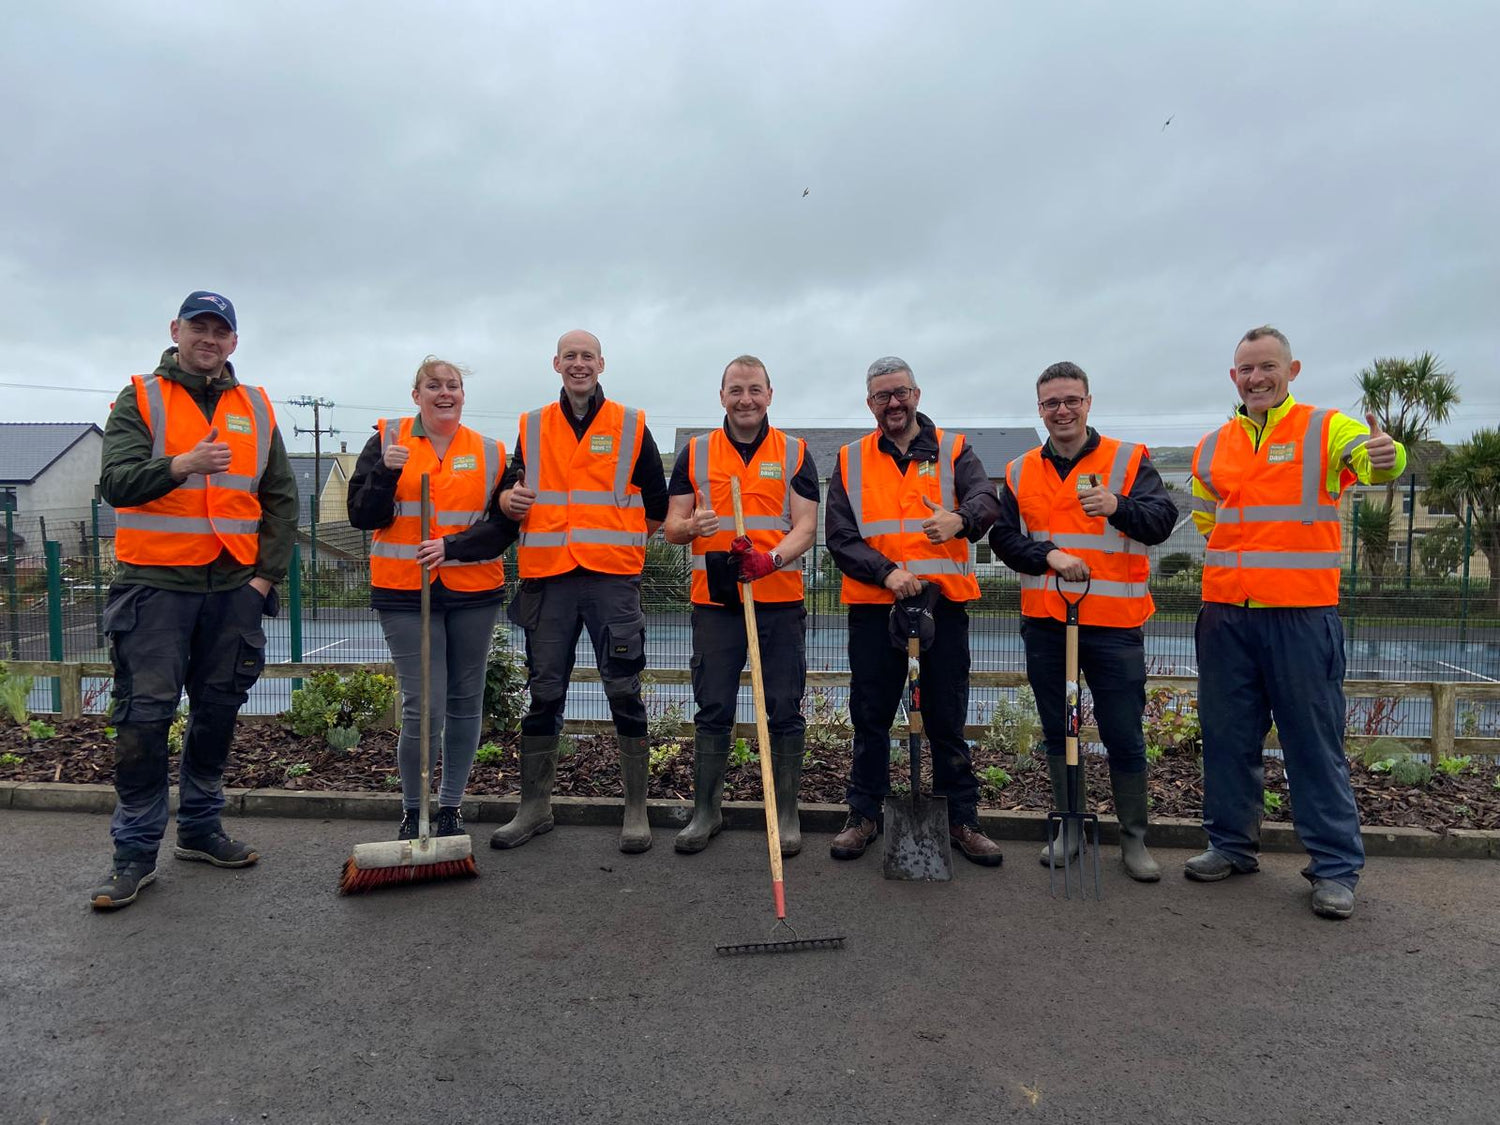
{"x": 358, "y": 880}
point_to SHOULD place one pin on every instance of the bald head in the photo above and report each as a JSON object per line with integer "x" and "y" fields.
{"x": 578, "y": 338}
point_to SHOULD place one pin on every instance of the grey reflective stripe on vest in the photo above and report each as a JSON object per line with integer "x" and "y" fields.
{"x": 699, "y": 463}
{"x": 610, "y": 499}
{"x": 1309, "y": 509}
{"x": 793, "y": 447}
{"x": 384, "y": 550}
{"x": 158, "y": 407}
{"x": 938, "y": 566}
{"x": 765, "y": 523}
{"x": 1274, "y": 560}
{"x": 582, "y": 535}
{"x": 262, "y": 411}
{"x": 550, "y": 497}
{"x": 854, "y": 471}
{"x": 388, "y": 435}
{"x": 184, "y": 525}
{"x": 1117, "y": 471}
{"x": 625, "y": 458}
{"x": 1280, "y": 513}
{"x": 1199, "y": 504}
{"x": 1013, "y": 478}
{"x": 1205, "y": 463}
{"x": 945, "y": 470}
{"x": 1353, "y": 444}
{"x": 1097, "y": 587}
{"x": 531, "y": 426}
{"x": 1111, "y": 541}
{"x": 447, "y": 518}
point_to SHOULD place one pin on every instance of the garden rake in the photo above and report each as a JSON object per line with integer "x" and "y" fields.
{"x": 428, "y": 858}
{"x": 794, "y": 942}
{"x": 1072, "y": 823}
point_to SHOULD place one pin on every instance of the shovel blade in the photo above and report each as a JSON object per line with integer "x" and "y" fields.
{"x": 917, "y": 848}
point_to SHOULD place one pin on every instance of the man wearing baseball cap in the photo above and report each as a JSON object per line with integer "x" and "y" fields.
{"x": 206, "y": 512}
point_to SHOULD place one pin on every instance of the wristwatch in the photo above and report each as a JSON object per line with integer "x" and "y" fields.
{"x": 776, "y": 559}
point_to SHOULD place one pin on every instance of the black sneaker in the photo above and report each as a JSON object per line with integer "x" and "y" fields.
{"x": 217, "y": 849}
{"x": 410, "y": 823}
{"x": 450, "y": 822}
{"x": 123, "y": 884}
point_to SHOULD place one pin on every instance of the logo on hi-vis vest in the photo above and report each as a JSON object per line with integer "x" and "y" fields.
{"x": 602, "y": 443}
{"x": 1282, "y": 451}
{"x": 1087, "y": 481}
{"x": 770, "y": 470}
{"x": 466, "y": 463}
{"x": 238, "y": 424}
{"x": 926, "y": 468}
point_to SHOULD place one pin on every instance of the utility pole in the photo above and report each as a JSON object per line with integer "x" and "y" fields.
{"x": 317, "y": 432}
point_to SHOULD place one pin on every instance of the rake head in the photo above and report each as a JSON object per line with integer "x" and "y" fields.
{"x": 1067, "y": 826}
{"x": 792, "y": 944}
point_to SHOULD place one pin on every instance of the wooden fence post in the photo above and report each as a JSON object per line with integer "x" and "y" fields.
{"x": 1444, "y": 706}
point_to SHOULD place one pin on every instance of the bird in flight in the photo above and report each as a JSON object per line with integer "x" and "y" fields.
{"x": 805, "y": 191}
{"x": 1167, "y": 122}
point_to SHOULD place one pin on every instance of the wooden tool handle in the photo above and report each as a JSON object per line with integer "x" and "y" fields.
{"x": 423, "y": 822}
{"x": 762, "y": 731}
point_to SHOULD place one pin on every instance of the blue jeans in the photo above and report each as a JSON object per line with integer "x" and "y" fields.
{"x": 1256, "y": 665}
{"x": 460, "y": 649}
{"x": 160, "y": 642}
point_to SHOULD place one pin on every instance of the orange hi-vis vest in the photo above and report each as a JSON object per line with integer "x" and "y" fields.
{"x": 1276, "y": 538}
{"x": 587, "y": 513}
{"x": 889, "y": 511}
{"x": 1118, "y": 565}
{"x": 766, "y": 496}
{"x": 205, "y": 514}
{"x": 461, "y": 484}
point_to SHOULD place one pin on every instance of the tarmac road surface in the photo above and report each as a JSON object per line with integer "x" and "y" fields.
{"x": 571, "y": 983}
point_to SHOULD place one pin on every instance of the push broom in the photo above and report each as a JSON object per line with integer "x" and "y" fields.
{"x": 793, "y": 942}
{"x": 428, "y": 858}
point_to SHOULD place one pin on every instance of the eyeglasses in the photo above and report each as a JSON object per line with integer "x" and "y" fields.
{"x": 1053, "y": 405}
{"x": 900, "y": 394}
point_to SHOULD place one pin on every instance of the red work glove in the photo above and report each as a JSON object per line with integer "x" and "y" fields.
{"x": 750, "y": 563}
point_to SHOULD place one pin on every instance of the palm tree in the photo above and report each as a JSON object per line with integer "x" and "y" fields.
{"x": 1408, "y": 397}
{"x": 1470, "y": 475}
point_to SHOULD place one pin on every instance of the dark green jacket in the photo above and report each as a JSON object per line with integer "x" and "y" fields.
{"x": 129, "y": 476}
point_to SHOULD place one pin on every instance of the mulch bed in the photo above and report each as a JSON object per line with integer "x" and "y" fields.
{"x": 267, "y": 755}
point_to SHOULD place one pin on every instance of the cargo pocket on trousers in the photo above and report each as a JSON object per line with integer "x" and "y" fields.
{"x": 525, "y": 608}
{"x": 624, "y": 647}
{"x": 121, "y": 613}
{"x": 250, "y": 660}
{"x": 1337, "y": 665}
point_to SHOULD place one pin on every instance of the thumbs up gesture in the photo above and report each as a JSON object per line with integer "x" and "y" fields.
{"x": 209, "y": 456}
{"x": 705, "y": 519}
{"x": 1381, "y": 447}
{"x": 941, "y": 525}
{"x": 1097, "y": 501}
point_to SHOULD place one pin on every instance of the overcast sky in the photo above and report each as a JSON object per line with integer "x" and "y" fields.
{"x": 988, "y": 188}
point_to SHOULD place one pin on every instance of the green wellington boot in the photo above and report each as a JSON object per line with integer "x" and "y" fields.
{"x": 1130, "y": 808}
{"x": 635, "y": 760}
{"x": 786, "y": 770}
{"x": 534, "y": 815}
{"x": 1057, "y": 770}
{"x": 710, "y": 759}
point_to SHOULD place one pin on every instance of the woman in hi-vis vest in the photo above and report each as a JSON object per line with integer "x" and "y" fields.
{"x": 462, "y": 551}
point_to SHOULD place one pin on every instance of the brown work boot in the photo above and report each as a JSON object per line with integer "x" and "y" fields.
{"x": 976, "y": 846}
{"x": 855, "y": 838}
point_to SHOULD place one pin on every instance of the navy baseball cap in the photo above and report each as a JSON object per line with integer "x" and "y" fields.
{"x": 201, "y": 301}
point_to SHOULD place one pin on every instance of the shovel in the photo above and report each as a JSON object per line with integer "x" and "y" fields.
{"x": 1072, "y": 822}
{"x": 917, "y": 847}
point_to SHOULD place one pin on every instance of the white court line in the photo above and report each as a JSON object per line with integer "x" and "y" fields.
{"x": 306, "y": 656}
{"x": 1470, "y": 671}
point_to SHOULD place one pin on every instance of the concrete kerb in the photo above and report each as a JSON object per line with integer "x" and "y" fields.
{"x": 1414, "y": 843}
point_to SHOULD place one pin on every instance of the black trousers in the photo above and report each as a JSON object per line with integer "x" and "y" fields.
{"x": 720, "y": 650}
{"x": 1114, "y": 664}
{"x": 877, "y": 671}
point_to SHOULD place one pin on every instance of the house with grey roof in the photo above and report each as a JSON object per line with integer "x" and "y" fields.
{"x": 49, "y": 474}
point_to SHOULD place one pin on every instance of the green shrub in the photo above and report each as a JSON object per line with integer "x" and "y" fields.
{"x": 828, "y": 726}
{"x": 16, "y": 760}
{"x": 41, "y": 731}
{"x": 1171, "y": 722}
{"x": 177, "y": 731}
{"x": 343, "y": 739}
{"x": 994, "y": 779}
{"x": 1013, "y": 725}
{"x": 13, "y": 693}
{"x": 504, "y": 684}
{"x": 740, "y": 754}
{"x": 663, "y": 720}
{"x": 1270, "y": 802}
{"x": 1452, "y": 767}
{"x": 301, "y": 769}
{"x": 1383, "y": 750}
{"x": 1410, "y": 772}
{"x": 490, "y": 754}
{"x": 661, "y": 758}
{"x": 327, "y": 701}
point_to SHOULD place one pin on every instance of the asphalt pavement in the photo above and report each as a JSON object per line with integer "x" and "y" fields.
{"x": 570, "y": 983}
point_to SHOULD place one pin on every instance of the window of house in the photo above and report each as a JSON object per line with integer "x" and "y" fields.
{"x": 7, "y": 499}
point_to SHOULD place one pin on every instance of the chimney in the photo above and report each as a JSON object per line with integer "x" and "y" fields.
{"x": 343, "y": 447}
